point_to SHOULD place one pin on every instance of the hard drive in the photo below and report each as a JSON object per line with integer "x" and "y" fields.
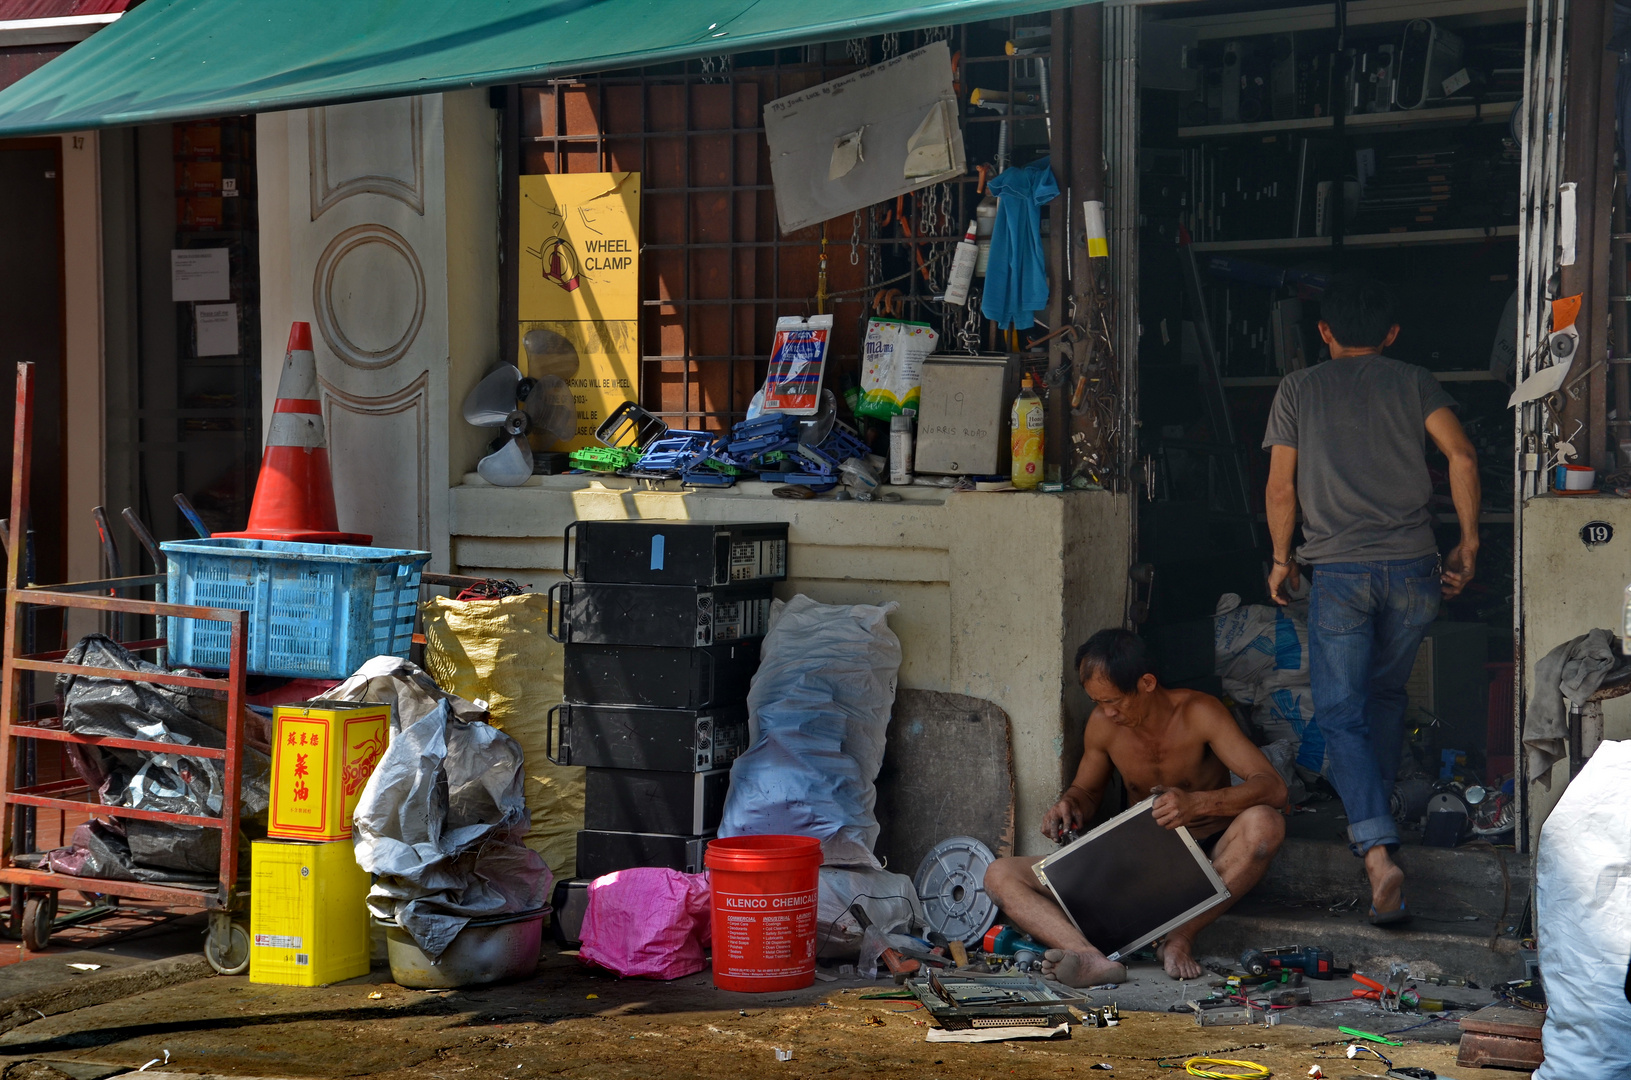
{"x": 660, "y": 678}
{"x": 643, "y": 800}
{"x": 601, "y": 852}
{"x": 671, "y": 616}
{"x": 659, "y": 740}
{"x": 651, "y": 552}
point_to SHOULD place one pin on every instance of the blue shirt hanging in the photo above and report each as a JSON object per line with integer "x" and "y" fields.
{"x": 1016, "y": 280}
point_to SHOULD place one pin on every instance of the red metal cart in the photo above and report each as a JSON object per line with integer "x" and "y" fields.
{"x": 227, "y": 944}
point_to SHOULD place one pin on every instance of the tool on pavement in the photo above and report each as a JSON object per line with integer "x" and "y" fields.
{"x": 1105, "y": 1016}
{"x": 1370, "y": 1036}
{"x": 898, "y": 965}
{"x": 1311, "y": 960}
{"x": 959, "y": 1001}
{"x": 1003, "y": 940}
{"x": 1225, "y": 1069}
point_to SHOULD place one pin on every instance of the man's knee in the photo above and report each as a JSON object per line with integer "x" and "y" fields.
{"x": 1263, "y": 830}
{"x": 1007, "y": 874}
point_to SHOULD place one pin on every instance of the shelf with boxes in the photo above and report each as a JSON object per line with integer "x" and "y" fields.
{"x": 1402, "y": 238}
{"x": 1495, "y": 112}
{"x": 661, "y": 623}
{"x": 1272, "y": 134}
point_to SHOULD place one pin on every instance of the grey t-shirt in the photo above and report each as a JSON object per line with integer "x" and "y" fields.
{"x": 1358, "y": 425}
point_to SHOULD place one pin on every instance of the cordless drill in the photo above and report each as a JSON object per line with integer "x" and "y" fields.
{"x": 1311, "y": 960}
{"x": 1011, "y": 941}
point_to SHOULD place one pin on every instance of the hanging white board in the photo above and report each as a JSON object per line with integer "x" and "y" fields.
{"x": 864, "y": 138}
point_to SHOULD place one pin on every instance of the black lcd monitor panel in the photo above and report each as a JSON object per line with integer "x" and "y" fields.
{"x": 1131, "y": 880}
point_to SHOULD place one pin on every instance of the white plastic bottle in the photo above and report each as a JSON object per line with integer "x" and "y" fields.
{"x": 961, "y": 275}
{"x": 901, "y": 447}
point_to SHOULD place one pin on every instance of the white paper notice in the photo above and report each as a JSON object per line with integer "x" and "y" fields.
{"x": 200, "y": 274}
{"x": 1568, "y": 225}
{"x": 217, "y": 326}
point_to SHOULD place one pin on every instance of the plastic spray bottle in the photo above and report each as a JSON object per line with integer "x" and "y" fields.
{"x": 961, "y": 275}
{"x": 1025, "y": 436}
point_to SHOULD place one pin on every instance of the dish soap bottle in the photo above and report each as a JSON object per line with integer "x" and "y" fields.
{"x": 1025, "y": 436}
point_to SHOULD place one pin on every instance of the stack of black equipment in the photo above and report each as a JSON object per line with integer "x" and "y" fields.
{"x": 662, "y": 622}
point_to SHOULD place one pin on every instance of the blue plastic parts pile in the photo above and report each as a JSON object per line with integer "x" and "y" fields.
{"x": 766, "y": 448}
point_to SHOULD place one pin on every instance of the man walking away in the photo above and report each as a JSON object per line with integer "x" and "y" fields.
{"x": 1348, "y": 442}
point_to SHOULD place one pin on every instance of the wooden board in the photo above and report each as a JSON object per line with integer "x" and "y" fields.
{"x": 1501, "y": 1036}
{"x": 1481, "y": 1051}
{"x": 947, "y": 771}
{"x": 1514, "y": 1021}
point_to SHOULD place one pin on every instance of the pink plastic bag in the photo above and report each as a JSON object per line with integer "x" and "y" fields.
{"x": 647, "y": 923}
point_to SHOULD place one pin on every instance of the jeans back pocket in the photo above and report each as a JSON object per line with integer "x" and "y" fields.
{"x": 1341, "y": 602}
{"x": 1425, "y": 594}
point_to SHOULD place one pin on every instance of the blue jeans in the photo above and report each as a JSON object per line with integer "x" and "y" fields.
{"x": 1365, "y": 623}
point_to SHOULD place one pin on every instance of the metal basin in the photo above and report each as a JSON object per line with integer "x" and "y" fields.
{"x": 487, "y": 950}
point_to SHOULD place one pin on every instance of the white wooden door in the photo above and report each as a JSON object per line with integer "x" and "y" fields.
{"x": 367, "y": 250}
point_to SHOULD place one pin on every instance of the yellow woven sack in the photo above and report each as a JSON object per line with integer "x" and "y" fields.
{"x": 498, "y": 651}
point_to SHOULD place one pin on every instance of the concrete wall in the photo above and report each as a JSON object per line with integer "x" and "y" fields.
{"x": 82, "y": 273}
{"x": 996, "y": 590}
{"x": 1569, "y": 589}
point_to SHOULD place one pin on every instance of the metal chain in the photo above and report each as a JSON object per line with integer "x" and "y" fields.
{"x": 931, "y": 263}
{"x": 715, "y": 69}
{"x": 968, "y": 335}
{"x": 859, "y": 50}
{"x": 932, "y": 34}
{"x": 890, "y": 46}
{"x": 855, "y": 240}
{"x": 874, "y": 262}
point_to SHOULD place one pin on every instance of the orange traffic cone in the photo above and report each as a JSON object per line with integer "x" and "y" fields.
{"x": 294, "y": 499}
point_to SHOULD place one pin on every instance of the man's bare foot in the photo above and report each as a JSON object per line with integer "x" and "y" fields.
{"x": 1386, "y": 880}
{"x": 1081, "y": 969}
{"x": 1174, "y": 954}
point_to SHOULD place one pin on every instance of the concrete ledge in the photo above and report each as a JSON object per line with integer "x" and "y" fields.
{"x": 1428, "y": 947}
{"x": 1439, "y": 882}
{"x": 97, "y": 988}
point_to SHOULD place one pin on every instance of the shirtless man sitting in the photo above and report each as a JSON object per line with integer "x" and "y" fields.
{"x": 1178, "y": 745}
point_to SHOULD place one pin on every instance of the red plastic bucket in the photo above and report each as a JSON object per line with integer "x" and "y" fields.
{"x": 764, "y": 911}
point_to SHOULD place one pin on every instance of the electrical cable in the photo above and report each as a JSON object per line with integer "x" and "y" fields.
{"x": 1248, "y": 1070}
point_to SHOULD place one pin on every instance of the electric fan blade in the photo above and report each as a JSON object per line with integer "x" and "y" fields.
{"x": 548, "y": 353}
{"x": 493, "y": 399}
{"x": 509, "y": 465}
{"x": 550, "y": 408}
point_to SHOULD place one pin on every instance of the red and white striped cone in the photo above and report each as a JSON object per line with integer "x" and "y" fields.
{"x": 294, "y": 498}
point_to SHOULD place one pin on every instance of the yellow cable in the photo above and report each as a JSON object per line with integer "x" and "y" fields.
{"x": 1250, "y": 1070}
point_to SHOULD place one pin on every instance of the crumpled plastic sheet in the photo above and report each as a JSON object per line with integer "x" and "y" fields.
{"x": 889, "y": 900}
{"x": 648, "y": 923}
{"x": 818, "y": 712}
{"x": 171, "y": 783}
{"x": 1583, "y": 922}
{"x": 401, "y": 684}
{"x": 440, "y": 823}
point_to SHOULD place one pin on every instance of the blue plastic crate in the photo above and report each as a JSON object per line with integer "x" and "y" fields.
{"x": 316, "y": 611}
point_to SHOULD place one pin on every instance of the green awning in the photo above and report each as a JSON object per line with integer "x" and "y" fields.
{"x": 169, "y": 60}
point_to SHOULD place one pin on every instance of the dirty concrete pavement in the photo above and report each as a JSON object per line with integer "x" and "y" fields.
{"x": 570, "y": 1021}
